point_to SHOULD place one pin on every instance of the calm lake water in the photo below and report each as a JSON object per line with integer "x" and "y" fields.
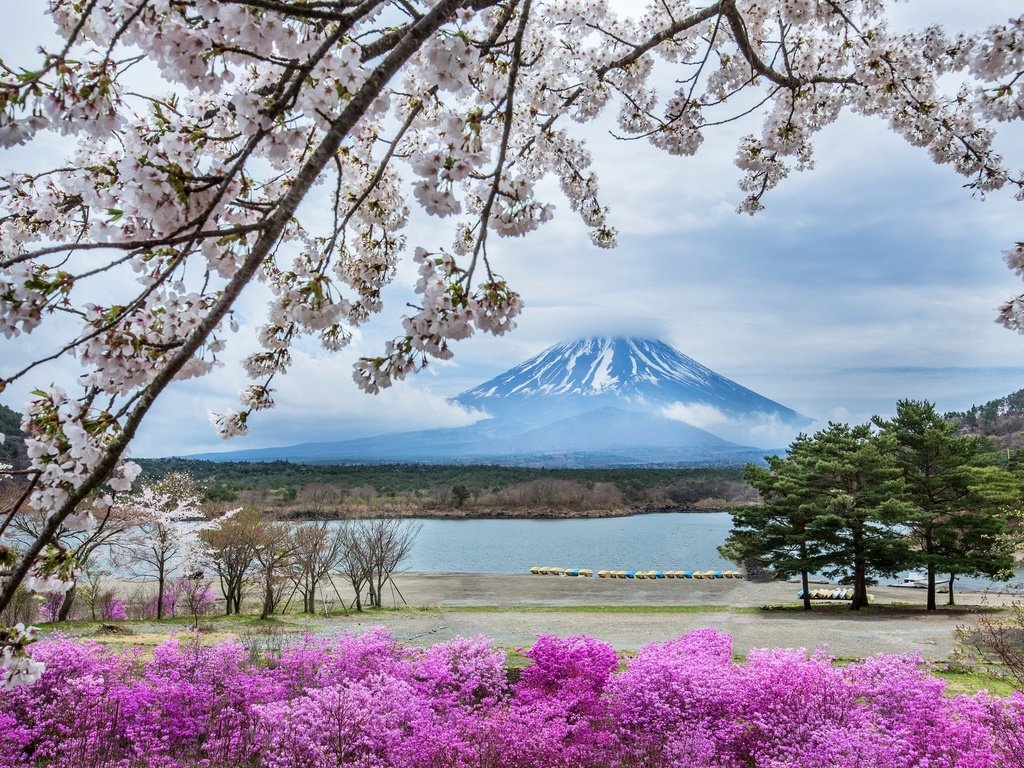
{"x": 654, "y": 542}
{"x": 672, "y": 540}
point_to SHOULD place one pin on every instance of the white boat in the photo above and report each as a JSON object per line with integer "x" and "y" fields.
{"x": 919, "y": 580}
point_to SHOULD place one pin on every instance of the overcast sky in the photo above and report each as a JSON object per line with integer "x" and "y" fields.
{"x": 873, "y": 277}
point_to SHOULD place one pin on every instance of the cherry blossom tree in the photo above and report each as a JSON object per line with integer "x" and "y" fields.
{"x": 166, "y": 536}
{"x": 389, "y": 110}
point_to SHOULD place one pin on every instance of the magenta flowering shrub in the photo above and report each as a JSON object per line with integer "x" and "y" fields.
{"x": 463, "y": 672}
{"x": 366, "y": 701}
{"x": 673, "y": 704}
{"x": 147, "y": 608}
{"x": 49, "y": 609}
{"x": 114, "y": 610}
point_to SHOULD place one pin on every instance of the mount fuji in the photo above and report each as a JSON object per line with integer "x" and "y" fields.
{"x": 633, "y": 374}
{"x": 593, "y": 402}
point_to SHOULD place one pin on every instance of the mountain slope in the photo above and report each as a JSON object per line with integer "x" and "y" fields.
{"x": 996, "y": 418}
{"x": 592, "y": 402}
{"x": 641, "y": 375}
{"x": 594, "y": 370}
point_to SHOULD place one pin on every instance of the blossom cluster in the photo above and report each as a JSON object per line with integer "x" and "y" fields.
{"x": 365, "y": 700}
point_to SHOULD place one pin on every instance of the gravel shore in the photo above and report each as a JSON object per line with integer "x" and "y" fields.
{"x": 514, "y": 609}
{"x": 629, "y": 614}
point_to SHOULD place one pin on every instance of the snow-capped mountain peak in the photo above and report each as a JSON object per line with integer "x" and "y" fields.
{"x": 594, "y": 365}
{"x": 601, "y": 366}
{"x": 627, "y": 373}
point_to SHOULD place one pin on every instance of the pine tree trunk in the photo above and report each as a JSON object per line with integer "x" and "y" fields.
{"x": 805, "y": 582}
{"x": 931, "y": 587}
{"x": 952, "y": 578}
{"x": 860, "y": 585}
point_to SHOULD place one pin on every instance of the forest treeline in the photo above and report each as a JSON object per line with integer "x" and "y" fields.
{"x": 1001, "y": 419}
{"x": 312, "y": 491}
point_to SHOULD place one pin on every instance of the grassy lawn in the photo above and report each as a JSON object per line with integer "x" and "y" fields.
{"x": 973, "y": 682}
{"x": 605, "y": 609}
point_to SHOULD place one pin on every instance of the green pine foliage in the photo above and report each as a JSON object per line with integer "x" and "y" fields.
{"x": 958, "y": 521}
{"x": 873, "y": 500}
{"x": 12, "y": 451}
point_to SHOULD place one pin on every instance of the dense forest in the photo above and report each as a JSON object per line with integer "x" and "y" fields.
{"x": 306, "y": 490}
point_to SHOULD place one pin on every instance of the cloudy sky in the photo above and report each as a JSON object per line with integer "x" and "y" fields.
{"x": 873, "y": 277}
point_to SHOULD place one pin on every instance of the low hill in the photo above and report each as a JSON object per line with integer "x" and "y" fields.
{"x": 12, "y": 450}
{"x": 1001, "y": 419}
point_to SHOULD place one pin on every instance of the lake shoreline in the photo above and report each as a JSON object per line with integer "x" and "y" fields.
{"x": 518, "y": 513}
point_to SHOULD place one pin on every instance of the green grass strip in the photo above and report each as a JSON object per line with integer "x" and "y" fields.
{"x": 607, "y": 609}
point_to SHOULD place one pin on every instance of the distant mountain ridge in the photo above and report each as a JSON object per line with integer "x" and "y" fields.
{"x": 593, "y": 402}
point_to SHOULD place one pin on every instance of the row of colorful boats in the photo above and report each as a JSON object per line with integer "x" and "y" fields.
{"x": 670, "y": 574}
{"x": 547, "y": 570}
{"x": 544, "y": 570}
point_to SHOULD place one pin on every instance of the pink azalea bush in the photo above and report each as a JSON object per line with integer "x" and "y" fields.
{"x": 114, "y": 610}
{"x": 368, "y": 702}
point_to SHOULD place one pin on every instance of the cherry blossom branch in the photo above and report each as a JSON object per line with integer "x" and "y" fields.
{"x": 274, "y": 226}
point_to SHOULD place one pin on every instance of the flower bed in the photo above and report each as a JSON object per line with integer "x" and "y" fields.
{"x": 367, "y": 701}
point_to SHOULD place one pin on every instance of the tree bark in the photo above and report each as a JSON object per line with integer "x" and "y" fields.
{"x": 931, "y": 587}
{"x": 160, "y": 585}
{"x": 69, "y": 601}
{"x": 860, "y": 585}
{"x": 952, "y": 578}
{"x": 931, "y": 569}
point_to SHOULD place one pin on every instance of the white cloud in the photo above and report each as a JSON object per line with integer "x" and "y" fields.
{"x": 696, "y": 415}
{"x": 764, "y": 430}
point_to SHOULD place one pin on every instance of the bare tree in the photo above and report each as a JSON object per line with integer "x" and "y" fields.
{"x": 273, "y": 549}
{"x": 319, "y": 549}
{"x": 195, "y": 593}
{"x": 319, "y": 500}
{"x": 374, "y": 549}
{"x": 229, "y": 550}
{"x": 997, "y": 640}
{"x": 354, "y": 562}
{"x": 112, "y": 529}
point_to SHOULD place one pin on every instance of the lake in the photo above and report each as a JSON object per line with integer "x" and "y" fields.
{"x": 652, "y": 542}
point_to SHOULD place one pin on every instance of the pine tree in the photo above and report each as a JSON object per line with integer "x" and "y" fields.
{"x": 776, "y": 534}
{"x": 860, "y": 497}
{"x": 956, "y": 525}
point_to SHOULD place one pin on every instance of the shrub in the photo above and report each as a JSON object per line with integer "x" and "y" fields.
{"x": 365, "y": 701}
